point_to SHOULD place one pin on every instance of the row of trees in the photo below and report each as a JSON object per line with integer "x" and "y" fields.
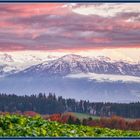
{"x": 113, "y": 122}
{"x": 51, "y": 104}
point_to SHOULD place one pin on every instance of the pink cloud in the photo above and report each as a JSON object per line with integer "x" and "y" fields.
{"x": 56, "y": 27}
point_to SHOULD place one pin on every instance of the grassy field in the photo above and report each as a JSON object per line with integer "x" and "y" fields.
{"x": 17, "y": 125}
{"x": 84, "y": 116}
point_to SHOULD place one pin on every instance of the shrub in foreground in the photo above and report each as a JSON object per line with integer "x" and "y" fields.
{"x": 17, "y": 125}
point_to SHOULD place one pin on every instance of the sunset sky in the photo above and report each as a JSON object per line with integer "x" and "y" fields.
{"x": 105, "y": 29}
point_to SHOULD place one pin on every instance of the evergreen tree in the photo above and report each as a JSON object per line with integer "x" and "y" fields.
{"x": 51, "y": 104}
{"x": 70, "y": 120}
{"x": 77, "y": 121}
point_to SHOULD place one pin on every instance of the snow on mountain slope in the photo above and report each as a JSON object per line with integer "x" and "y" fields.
{"x": 6, "y": 58}
{"x": 95, "y": 79}
{"x": 6, "y": 70}
{"x": 14, "y": 63}
{"x": 105, "y": 77}
{"x": 69, "y": 64}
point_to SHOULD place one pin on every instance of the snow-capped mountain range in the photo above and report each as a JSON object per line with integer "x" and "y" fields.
{"x": 66, "y": 64}
{"x": 11, "y": 63}
{"x": 75, "y": 76}
{"x": 73, "y": 64}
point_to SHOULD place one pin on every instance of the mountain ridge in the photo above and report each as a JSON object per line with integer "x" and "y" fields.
{"x": 77, "y": 64}
{"x": 104, "y": 81}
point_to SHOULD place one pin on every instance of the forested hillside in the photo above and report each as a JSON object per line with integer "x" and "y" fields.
{"x": 51, "y": 104}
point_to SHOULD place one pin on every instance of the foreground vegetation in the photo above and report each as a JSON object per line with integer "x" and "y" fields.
{"x": 113, "y": 122}
{"x": 82, "y": 116}
{"x": 20, "y": 125}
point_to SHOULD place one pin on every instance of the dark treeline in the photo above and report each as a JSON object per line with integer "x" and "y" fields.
{"x": 51, "y": 104}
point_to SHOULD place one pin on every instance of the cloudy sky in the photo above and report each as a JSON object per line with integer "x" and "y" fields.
{"x": 110, "y": 29}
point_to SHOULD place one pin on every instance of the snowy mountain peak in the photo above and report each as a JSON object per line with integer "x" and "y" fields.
{"x": 69, "y": 64}
{"x": 72, "y": 57}
{"x": 103, "y": 58}
{"x": 6, "y": 57}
